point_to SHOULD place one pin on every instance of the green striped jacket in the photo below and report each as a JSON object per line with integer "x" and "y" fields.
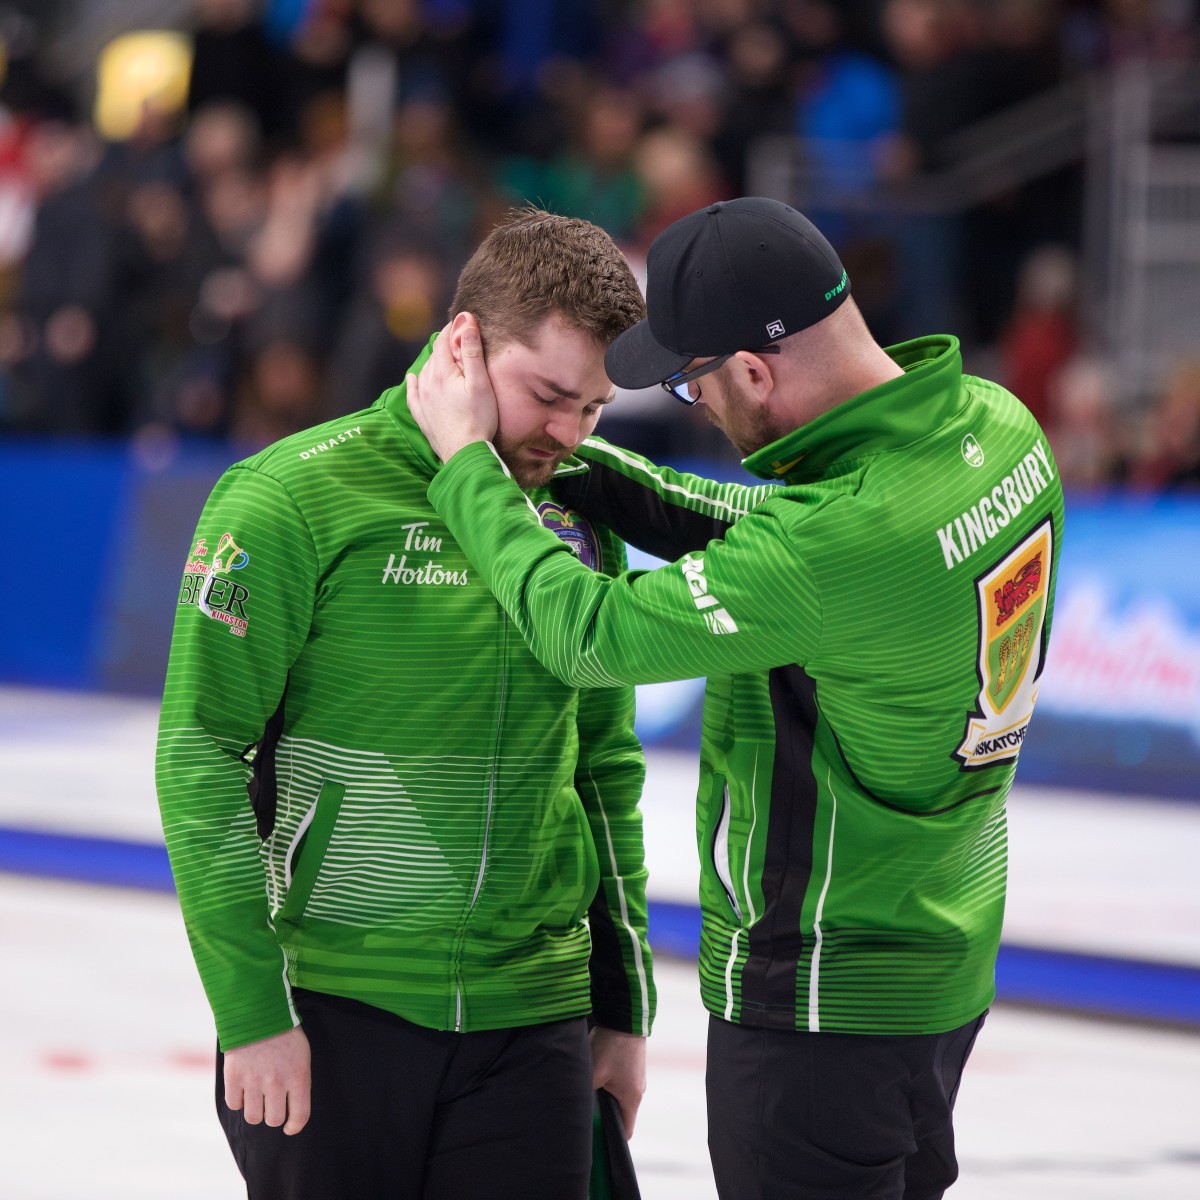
{"x": 873, "y": 630}
{"x": 369, "y": 786}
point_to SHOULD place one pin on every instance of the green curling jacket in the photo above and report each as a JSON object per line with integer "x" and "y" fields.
{"x": 369, "y": 786}
{"x": 874, "y": 631}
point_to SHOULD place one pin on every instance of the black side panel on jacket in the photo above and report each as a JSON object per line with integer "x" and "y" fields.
{"x": 262, "y": 785}
{"x": 776, "y": 944}
{"x": 612, "y": 1005}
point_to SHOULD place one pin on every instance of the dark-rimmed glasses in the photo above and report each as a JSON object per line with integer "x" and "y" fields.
{"x": 678, "y": 384}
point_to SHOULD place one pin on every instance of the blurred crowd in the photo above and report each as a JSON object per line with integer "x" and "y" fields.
{"x": 250, "y": 221}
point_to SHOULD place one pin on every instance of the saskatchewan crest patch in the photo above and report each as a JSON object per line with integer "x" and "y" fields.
{"x": 1012, "y": 597}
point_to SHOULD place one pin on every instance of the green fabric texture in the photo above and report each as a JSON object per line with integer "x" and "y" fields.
{"x": 873, "y": 631}
{"x": 445, "y": 810}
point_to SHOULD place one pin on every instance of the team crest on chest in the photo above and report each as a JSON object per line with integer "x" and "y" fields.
{"x": 574, "y": 529}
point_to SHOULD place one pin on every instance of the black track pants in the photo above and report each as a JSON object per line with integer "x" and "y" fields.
{"x": 400, "y": 1112}
{"x": 826, "y": 1116}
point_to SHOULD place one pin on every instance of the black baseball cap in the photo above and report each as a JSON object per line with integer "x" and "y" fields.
{"x": 732, "y": 276}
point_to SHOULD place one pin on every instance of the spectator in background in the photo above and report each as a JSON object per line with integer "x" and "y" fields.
{"x": 936, "y": 45}
{"x": 312, "y": 65}
{"x": 403, "y": 48}
{"x": 671, "y": 29}
{"x": 688, "y": 93}
{"x": 57, "y": 340}
{"x": 1171, "y": 458}
{"x": 158, "y": 268}
{"x": 641, "y": 38}
{"x": 432, "y": 184}
{"x": 678, "y": 172}
{"x": 282, "y": 389}
{"x": 594, "y": 176}
{"x": 1024, "y": 54}
{"x": 388, "y": 321}
{"x": 221, "y": 136}
{"x": 523, "y": 55}
{"x": 933, "y": 43}
{"x": 757, "y": 100}
{"x": 178, "y": 276}
{"x": 1042, "y": 333}
{"x": 230, "y": 207}
{"x": 280, "y": 252}
{"x": 232, "y": 60}
{"x": 1020, "y": 57}
{"x": 1083, "y": 428}
{"x": 846, "y": 115}
{"x": 847, "y": 104}
{"x": 961, "y": 62}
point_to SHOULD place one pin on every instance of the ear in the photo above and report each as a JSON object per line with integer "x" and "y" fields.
{"x": 757, "y": 374}
{"x": 454, "y": 332}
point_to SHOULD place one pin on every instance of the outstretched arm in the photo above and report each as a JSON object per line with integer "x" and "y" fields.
{"x": 746, "y": 602}
{"x": 657, "y": 509}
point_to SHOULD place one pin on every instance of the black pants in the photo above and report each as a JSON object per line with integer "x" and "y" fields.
{"x": 826, "y": 1116}
{"x": 400, "y": 1112}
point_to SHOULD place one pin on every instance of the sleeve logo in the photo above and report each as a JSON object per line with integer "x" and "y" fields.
{"x": 210, "y": 587}
{"x": 575, "y": 530}
{"x": 1012, "y": 598}
{"x": 716, "y": 619}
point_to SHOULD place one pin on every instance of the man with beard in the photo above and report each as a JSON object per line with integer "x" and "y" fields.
{"x": 873, "y": 629}
{"x": 397, "y": 839}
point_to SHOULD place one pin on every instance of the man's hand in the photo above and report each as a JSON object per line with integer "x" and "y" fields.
{"x": 269, "y": 1080}
{"x": 619, "y": 1066}
{"x": 452, "y": 400}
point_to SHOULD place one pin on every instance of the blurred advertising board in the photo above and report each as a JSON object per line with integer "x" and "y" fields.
{"x": 1119, "y": 707}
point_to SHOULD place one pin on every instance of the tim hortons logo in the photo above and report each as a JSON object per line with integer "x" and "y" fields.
{"x": 416, "y": 573}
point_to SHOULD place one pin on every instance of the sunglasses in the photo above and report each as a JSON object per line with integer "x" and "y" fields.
{"x": 679, "y": 385}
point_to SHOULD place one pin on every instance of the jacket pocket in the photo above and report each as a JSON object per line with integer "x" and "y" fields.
{"x": 591, "y": 864}
{"x": 719, "y": 848}
{"x": 309, "y": 854}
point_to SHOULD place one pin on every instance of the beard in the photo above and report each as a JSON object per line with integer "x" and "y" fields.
{"x": 747, "y": 428}
{"x": 528, "y": 473}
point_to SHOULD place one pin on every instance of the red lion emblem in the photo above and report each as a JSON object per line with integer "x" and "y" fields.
{"x": 1018, "y": 590}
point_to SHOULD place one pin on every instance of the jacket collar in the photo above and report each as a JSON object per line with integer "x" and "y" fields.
{"x": 395, "y": 403}
{"x": 883, "y": 418}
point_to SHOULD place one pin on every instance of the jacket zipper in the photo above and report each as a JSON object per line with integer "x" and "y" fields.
{"x": 487, "y": 824}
